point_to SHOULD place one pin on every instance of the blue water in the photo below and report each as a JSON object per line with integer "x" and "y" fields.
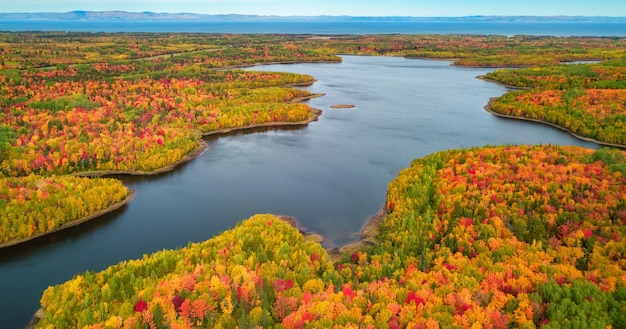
{"x": 291, "y": 27}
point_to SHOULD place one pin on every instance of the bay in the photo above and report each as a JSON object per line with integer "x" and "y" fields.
{"x": 331, "y": 175}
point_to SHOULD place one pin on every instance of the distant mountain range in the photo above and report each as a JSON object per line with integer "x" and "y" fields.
{"x": 151, "y": 16}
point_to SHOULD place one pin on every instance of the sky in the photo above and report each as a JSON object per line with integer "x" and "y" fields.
{"x": 440, "y": 8}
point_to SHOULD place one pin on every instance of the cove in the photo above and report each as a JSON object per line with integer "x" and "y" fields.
{"x": 331, "y": 175}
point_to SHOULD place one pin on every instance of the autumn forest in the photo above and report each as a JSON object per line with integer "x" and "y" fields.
{"x": 492, "y": 237}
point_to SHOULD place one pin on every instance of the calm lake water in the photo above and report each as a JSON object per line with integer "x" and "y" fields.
{"x": 331, "y": 175}
{"x": 562, "y": 28}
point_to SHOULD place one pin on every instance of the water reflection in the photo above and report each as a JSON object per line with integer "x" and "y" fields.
{"x": 74, "y": 233}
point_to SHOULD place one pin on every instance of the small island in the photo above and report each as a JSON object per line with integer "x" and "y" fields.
{"x": 342, "y": 106}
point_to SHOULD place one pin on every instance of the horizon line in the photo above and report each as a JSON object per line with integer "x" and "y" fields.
{"x": 321, "y": 15}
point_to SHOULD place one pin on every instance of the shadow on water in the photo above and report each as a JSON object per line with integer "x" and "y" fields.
{"x": 254, "y": 130}
{"x": 77, "y": 232}
{"x": 210, "y": 140}
{"x": 25, "y": 249}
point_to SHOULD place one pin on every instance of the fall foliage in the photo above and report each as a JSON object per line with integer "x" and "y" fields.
{"x": 473, "y": 238}
{"x": 83, "y": 106}
{"x": 35, "y": 205}
{"x": 586, "y": 99}
{"x": 495, "y": 237}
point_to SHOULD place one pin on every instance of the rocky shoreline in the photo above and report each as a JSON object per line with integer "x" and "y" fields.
{"x": 367, "y": 237}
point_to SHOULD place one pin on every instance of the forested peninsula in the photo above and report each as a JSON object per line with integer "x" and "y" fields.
{"x": 506, "y": 236}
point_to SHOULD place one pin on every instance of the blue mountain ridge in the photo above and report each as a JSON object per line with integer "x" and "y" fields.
{"x": 80, "y": 15}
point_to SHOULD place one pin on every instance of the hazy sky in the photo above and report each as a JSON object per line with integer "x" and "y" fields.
{"x": 333, "y": 7}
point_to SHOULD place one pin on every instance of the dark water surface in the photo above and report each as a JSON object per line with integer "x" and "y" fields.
{"x": 331, "y": 175}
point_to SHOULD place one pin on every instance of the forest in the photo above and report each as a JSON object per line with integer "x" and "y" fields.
{"x": 588, "y": 100}
{"x": 116, "y": 116}
{"x": 33, "y": 205}
{"x": 472, "y": 238}
{"x": 494, "y": 237}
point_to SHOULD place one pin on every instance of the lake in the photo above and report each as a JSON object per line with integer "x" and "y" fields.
{"x": 555, "y": 28}
{"x": 331, "y": 175}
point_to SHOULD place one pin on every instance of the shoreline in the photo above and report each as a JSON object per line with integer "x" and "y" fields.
{"x": 587, "y": 139}
{"x": 484, "y": 78}
{"x": 366, "y": 235}
{"x": 202, "y": 145}
{"x": 40, "y": 312}
{"x": 307, "y": 235}
{"x": 111, "y": 208}
{"x": 313, "y": 116}
{"x": 243, "y": 66}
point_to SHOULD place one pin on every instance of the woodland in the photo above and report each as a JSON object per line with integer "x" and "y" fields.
{"x": 493, "y": 237}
